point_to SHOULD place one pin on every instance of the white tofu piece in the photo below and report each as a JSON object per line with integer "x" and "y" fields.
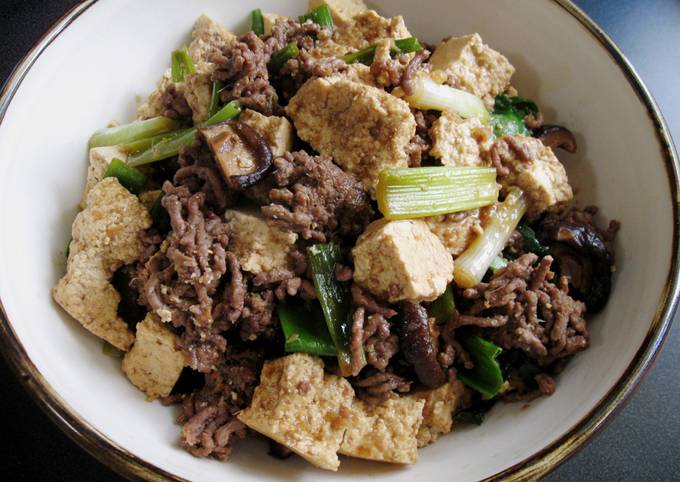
{"x": 402, "y": 260}
{"x": 473, "y": 66}
{"x": 363, "y": 128}
{"x": 99, "y": 160}
{"x": 269, "y": 20}
{"x": 459, "y": 142}
{"x": 277, "y": 131}
{"x": 456, "y": 231}
{"x": 385, "y": 432}
{"x": 440, "y": 404}
{"x": 300, "y": 407}
{"x": 341, "y": 10}
{"x": 197, "y": 90}
{"x": 154, "y": 363}
{"x": 105, "y": 237}
{"x": 153, "y": 107}
{"x": 208, "y": 37}
{"x": 258, "y": 246}
{"x": 535, "y": 169}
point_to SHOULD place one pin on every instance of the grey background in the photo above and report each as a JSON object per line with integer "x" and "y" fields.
{"x": 641, "y": 443}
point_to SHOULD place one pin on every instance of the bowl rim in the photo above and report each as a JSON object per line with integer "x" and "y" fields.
{"x": 534, "y": 466}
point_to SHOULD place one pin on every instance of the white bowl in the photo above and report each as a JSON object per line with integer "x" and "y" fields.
{"x": 87, "y": 71}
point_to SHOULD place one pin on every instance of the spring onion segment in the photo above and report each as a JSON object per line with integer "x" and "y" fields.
{"x": 486, "y": 376}
{"x": 320, "y": 15}
{"x": 429, "y": 95}
{"x": 282, "y": 56}
{"x": 530, "y": 242}
{"x": 443, "y": 308}
{"x": 398, "y": 47}
{"x": 129, "y": 177}
{"x": 305, "y": 331}
{"x": 215, "y": 98}
{"x": 336, "y": 302}
{"x": 182, "y": 64}
{"x": 406, "y": 193}
{"x": 171, "y": 145}
{"x": 471, "y": 266}
{"x": 497, "y": 264}
{"x": 141, "y": 129}
{"x": 257, "y": 22}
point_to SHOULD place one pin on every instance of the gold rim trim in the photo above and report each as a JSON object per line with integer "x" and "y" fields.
{"x": 533, "y": 467}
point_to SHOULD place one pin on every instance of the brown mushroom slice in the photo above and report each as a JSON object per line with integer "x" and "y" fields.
{"x": 556, "y": 136}
{"x": 243, "y": 155}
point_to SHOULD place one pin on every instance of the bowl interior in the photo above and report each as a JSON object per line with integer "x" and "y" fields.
{"x": 115, "y": 51}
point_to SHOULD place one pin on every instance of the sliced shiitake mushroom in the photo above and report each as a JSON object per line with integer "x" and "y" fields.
{"x": 556, "y": 136}
{"x": 417, "y": 344}
{"x": 242, "y": 154}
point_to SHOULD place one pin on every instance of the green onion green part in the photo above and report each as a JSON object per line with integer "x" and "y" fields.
{"x": 159, "y": 215}
{"x": 486, "y": 376}
{"x": 497, "y": 263}
{"x": 305, "y": 330}
{"x": 444, "y": 307}
{"x": 129, "y": 177}
{"x": 321, "y": 15}
{"x": 336, "y": 301}
{"x": 400, "y": 46}
{"x": 182, "y": 64}
{"x": 282, "y": 56}
{"x": 257, "y": 22}
{"x": 530, "y": 242}
{"x": 140, "y": 129}
{"x": 215, "y": 98}
{"x": 414, "y": 192}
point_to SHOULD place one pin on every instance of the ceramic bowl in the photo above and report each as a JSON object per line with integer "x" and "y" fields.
{"x": 90, "y": 67}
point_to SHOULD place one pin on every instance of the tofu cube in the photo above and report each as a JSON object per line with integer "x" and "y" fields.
{"x": 474, "y": 67}
{"x": 386, "y": 432}
{"x": 258, "y": 246}
{"x": 456, "y": 231}
{"x": 363, "y": 128}
{"x": 300, "y": 407}
{"x": 402, "y": 260}
{"x": 440, "y": 404}
{"x": 198, "y": 93}
{"x": 207, "y": 38}
{"x": 153, "y": 107}
{"x": 457, "y": 141}
{"x": 154, "y": 363}
{"x": 99, "y": 160}
{"x": 535, "y": 169}
{"x": 341, "y": 10}
{"x": 269, "y": 20}
{"x": 277, "y": 131}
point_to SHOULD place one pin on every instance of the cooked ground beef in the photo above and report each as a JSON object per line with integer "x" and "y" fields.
{"x": 375, "y": 386}
{"x": 421, "y": 143}
{"x": 316, "y": 198}
{"x": 520, "y": 307}
{"x": 175, "y": 104}
{"x": 209, "y": 413}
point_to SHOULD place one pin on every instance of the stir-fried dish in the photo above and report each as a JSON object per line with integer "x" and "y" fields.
{"x": 332, "y": 235}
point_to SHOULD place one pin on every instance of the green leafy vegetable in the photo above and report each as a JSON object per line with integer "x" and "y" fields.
{"x": 486, "y": 376}
{"x": 507, "y": 118}
{"x": 282, "y": 56}
{"x": 257, "y": 22}
{"x": 182, "y": 64}
{"x": 320, "y": 15}
{"x": 335, "y": 299}
{"x": 413, "y": 192}
{"x": 444, "y": 307}
{"x": 141, "y": 129}
{"x": 109, "y": 350}
{"x": 173, "y": 142}
{"x": 129, "y": 177}
{"x": 398, "y": 47}
{"x": 530, "y": 242}
{"x": 305, "y": 330}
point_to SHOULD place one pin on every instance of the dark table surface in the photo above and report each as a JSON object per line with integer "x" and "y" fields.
{"x": 641, "y": 443}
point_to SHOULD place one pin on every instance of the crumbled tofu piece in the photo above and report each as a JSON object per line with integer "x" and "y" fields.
{"x": 258, "y": 246}
{"x": 277, "y": 131}
{"x": 99, "y": 160}
{"x": 440, "y": 404}
{"x": 300, "y": 407}
{"x": 154, "y": 363}
{"x": 456, "y": 231}
{"x": 233, "y": 156}
{"x": 384, "y": 432}
{"x": 535, "y": 170}
{"x": 153, "y": 107}
{"x": 208, "y": 37}
{"x": 474, "y": 67}
{"x": 457, "y": 141}
{"x": 269, "y": 20}
{"x": 402, "y": 260}
{"x": 105, "y": 237}
{"x": 341, "y": 10}
{"x": 363, "y": 128}
{"x": 198, "y": 94}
